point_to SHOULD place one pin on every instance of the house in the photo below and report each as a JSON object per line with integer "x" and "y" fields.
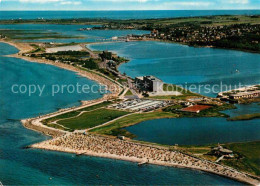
{"x": 220, "y": 151}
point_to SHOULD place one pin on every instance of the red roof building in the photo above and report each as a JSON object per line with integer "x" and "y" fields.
{"x": 195, "y": 108}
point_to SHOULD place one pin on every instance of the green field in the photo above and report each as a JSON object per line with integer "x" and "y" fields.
{"x": 75, "y": 113}
{"x": 114, "y": 127}
{"x": 204, "y": 20}
{"x": 91, "y": 119}
{"x": 247, "y": 155}
{"x": 128, "y": 93}
{"x": 245, "y": 117}
{"x": 103, "y": 104}
{"x": 250, "y": 157}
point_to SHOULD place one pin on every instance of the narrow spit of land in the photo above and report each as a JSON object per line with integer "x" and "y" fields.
{"x": 102, "y": 146}
{"x": 114, "y": 87}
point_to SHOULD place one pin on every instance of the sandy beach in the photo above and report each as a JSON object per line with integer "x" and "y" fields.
{"x": 109, "y": 147}
{"x": 114, "y": 87}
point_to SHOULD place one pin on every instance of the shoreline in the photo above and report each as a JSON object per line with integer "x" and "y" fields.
{"x": 173, "y": 161}
{"x": 110, "y": 84}
{"x": 35, "y": 123}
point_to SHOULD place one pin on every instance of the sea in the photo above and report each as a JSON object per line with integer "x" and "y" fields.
{"x": 171, "y": 62}
{"x": 145, "y": 14}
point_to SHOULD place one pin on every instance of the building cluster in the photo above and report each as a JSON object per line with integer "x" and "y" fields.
{"x": 205, "y": 34}
{"x": 249, "y": 92}
{"x": 140, "y": 105}
{"x": 201, "y": 35}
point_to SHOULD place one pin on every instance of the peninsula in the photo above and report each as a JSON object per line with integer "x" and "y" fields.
{"x": 96, "y": 128}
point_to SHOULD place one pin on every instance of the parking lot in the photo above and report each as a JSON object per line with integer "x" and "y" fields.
{"x": 140, "y": 105}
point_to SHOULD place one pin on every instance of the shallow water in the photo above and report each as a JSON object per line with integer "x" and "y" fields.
{"x": 200, "y": 131}
{"x": 196, "y": 131}
{"x": 32, "y": 166}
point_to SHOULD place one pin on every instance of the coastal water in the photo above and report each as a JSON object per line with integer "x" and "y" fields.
{"x": 243, "y": 109}
{"x": 200, "y": 131}
{"x": 70, "y": 30}
{"x": 183, "y": 65}
{"x": 120, "y": 14}
{"x": 31, "y": 166}
{"x": 202, "y": 70}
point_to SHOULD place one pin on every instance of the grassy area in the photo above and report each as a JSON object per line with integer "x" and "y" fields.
{"x": 249, "y": 160}
{"x": 91, "y": 119}
{"x": 62, "y": 116}
{"x": 113, "y": 127}
{"x": 75, "y": 113}
{"x": 128, "y": 93}
{"x": 103, "y": 104}
{"x": 245, "y": 117}
{"x": 246, "y": 159}
{"x": 205, "y": 20}
{"x": 199, "y": 151}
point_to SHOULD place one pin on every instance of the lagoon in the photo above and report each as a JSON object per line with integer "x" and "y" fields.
{"x": 196, "y": 131}
{"x": 200, "y": 130}
{"x": 188, "y": 66}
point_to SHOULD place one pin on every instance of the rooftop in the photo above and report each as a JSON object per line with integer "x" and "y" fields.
{"x": 152, "y": 78}
{"x": 196, "y": 108}
{"x": 246, "y": 93}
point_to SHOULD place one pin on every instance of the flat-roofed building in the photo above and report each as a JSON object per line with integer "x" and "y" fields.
{"x": 149, "y": 83}
{"x": 249, "y": 94}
